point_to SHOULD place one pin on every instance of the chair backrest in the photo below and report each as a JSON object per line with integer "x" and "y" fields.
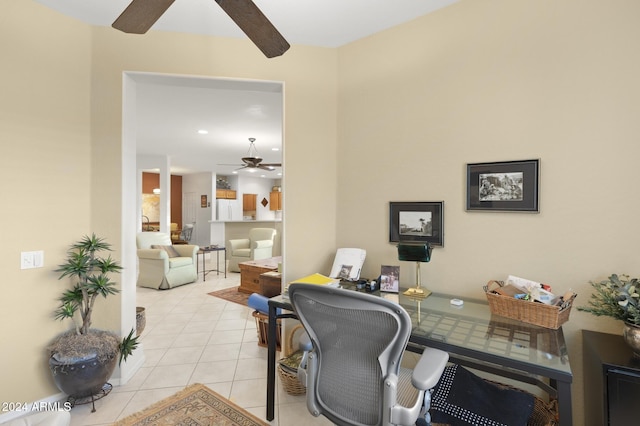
{"x": 187, "y": 230}
{"x": 144, "y": 240}
{"x": 259, "y": 234}
{"x": 358, "y": 341}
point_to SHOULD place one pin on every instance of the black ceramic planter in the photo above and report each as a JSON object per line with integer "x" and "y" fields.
{"x": 81, "y": 377}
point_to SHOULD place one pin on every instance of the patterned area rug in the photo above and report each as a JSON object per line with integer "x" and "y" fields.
{"x": 232, "y": 295}
{"x": 194, "y": 405}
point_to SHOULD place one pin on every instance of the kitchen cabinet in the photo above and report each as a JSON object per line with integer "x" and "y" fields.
{"x": 275, "y": 200}
{"x": 249, "y": 202}
{"x": 227, "y": 194}
{"x": 611, "y": 380}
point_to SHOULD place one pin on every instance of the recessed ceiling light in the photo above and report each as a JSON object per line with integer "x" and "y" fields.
{"x": 203, "y": 132}
{"x": 275, "y": 149}
{"x": 279, "y": 174}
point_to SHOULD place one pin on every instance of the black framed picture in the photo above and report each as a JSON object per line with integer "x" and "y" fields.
{"x": 510, "y": 186}
{"x": 417, "y": 222}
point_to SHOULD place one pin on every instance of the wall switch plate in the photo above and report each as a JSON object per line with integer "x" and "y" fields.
{"x": 31, "y": 259}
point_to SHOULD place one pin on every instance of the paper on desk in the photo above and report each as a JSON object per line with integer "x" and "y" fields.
{"x": 348, "y": 263}
{"x": 533, "y": 288}
{"x": 317, "y": 279}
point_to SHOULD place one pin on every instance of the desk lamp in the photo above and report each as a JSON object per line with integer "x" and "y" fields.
{"x": 415, "y": 253}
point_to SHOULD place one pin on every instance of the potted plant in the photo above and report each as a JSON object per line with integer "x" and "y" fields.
{"x": 618, "y": 297}
{"x": 82, "y": 359}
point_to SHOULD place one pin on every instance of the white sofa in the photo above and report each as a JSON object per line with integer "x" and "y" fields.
{"x": 157, "y": 268}
{"x": 259, "y": 245}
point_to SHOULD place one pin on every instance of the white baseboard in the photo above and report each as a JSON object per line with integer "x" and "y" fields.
{"x": 51, "y": 402}
{"x": 57, "y": 401}
{"x": 133, "y": 364}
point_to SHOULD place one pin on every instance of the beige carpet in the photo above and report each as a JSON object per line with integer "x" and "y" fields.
{"x": 194, "y": 405}
{"x": 232, "y": 294}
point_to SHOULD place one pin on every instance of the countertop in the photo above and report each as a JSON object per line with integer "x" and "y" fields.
{"x": 247, "y": 221}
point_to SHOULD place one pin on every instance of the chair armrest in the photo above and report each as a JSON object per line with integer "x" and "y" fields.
{"x": 262, "y": 244}
{"x": 152, "y": 254}
{"x": 186, "y": 250}
{"x": 238, "y": 244}
{"x": 429, "y": 368}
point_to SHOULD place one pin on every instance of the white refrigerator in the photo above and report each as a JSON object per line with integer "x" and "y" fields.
{"x": 228, "y": 210}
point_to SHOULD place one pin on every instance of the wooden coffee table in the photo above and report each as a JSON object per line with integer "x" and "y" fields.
{"x": 250, "y": 273}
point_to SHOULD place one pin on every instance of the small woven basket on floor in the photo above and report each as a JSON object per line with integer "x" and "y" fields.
{"x": 262, "y": 327}
{"x": 522, "y": 310}
{"x": 288, "y": 369}
{"x": 290, "y": 382}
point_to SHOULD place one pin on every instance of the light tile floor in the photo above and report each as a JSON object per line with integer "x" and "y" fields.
{"x": 192, "y": 337}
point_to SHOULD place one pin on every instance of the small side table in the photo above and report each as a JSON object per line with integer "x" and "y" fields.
{"x": 611, "y": 380}
{"x": 205, "y": 250}
{"x": 270, "y": 283}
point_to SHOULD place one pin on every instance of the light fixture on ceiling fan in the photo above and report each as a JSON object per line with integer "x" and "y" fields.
{"x": 253, "y": 161}
{"x": 140, "y": 15}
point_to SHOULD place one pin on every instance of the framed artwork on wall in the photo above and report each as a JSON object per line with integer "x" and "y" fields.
{"x": 510, "y": 186}
{"x": 417, "y": 222}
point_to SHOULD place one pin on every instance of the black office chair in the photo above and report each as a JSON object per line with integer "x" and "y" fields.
{"x": 353, "y": 374}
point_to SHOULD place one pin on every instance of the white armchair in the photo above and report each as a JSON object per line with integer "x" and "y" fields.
{"x": 164, "y": 265}
{"x": 259, "y": 245}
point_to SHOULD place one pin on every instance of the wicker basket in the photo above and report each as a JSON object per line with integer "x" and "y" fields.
{"x": 530, "y": 312}
{"x": 262, "y": 326}
{"x": 288, "y": 369}
{"x": 289, "y": 379}
{"x": 141, "y": 320}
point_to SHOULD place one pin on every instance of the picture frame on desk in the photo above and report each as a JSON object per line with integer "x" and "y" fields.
{"x": 389, "y": 279}
{"x": 417, "y": 222}
{"x": 504, "y": 186}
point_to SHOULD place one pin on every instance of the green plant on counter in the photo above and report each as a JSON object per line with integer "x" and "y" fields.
{"x": 616, "y": 297}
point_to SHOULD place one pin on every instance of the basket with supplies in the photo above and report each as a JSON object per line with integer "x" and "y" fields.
{"x": 529, "y": 301}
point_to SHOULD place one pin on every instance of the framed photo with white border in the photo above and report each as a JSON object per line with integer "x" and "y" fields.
{"x": 390, "y": 279}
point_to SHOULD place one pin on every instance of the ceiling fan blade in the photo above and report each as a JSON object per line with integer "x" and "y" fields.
{"x": 256, "y": 26}
{"x": 266, "y": 167}
{"x": 140, "y": 15}
{"x": 272, "y": 164}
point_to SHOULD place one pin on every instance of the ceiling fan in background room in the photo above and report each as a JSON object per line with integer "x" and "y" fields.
{"x": 140, "y": 15}
{"x": 253, "y": 161}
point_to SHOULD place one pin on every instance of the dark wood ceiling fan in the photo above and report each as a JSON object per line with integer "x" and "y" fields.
{"x": 140, "y": 15}
{"x": 253, "y": 160}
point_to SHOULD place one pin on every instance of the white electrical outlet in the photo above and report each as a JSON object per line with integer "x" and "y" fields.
{"x": 31, "y": 259}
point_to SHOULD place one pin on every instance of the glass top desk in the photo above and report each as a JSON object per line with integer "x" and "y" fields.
{"x": 473, "y": 337}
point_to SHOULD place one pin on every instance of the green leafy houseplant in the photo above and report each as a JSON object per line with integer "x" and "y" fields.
{"x": 91, "y": 273}
{"x": 616, "y": 297}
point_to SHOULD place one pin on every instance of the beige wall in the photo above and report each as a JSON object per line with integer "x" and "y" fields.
{"x": 61, "y": 131}
{"x": 490, "y": 81}
{"x": 45, "y": 170}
